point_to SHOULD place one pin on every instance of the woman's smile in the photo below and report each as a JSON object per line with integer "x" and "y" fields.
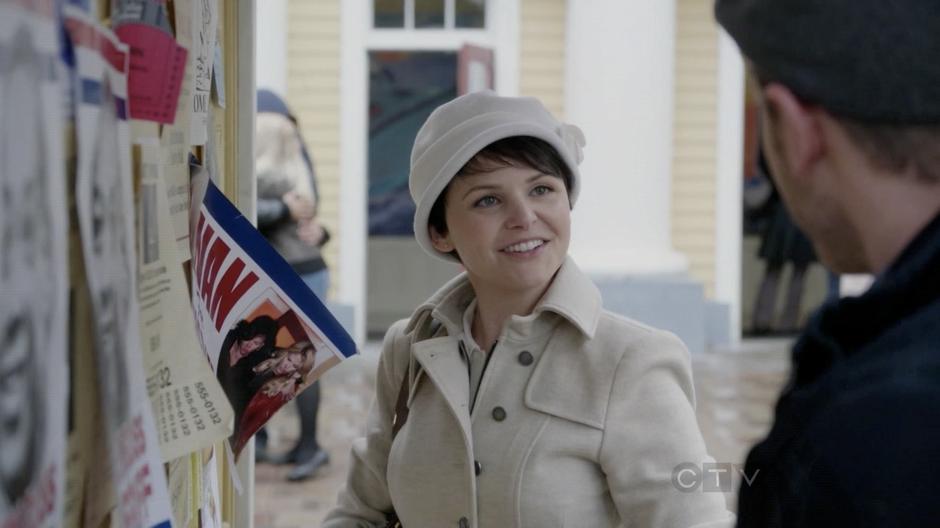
{"x": 526, "y": 249}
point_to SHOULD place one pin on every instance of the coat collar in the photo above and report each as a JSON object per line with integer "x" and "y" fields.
{"x": 842, "y": 328}
{"x": 571, "y": 295}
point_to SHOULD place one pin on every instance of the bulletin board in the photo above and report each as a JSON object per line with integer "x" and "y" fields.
{"x": 108, "y": 106}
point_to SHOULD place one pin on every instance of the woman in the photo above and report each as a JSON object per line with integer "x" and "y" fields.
{"x": 245, "y": 346}
{"x": 527, "y": 403}
{"x": 782, "y": 242}
{"x": 287, "y": 217}
{"x": 278, "y": 379}
{"x": 287, "y": 192}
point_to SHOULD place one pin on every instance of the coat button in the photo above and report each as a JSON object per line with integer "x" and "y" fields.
{"x": 477, "y": 467}
{"x": 525, "y": 358}
{"x": 463, "y": 523}
{"x": 499, "y": 414}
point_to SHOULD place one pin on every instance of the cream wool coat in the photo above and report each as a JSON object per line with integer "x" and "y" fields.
{"x": 591, "y": 428}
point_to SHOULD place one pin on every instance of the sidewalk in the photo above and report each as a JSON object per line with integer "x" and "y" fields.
{"x": 736, "y": 390}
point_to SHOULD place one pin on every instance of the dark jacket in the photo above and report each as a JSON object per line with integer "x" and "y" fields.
{"x": 856, "y": 438}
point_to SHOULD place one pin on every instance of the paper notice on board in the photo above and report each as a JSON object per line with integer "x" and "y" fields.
{"x": 268, "y": 336}
{"x": 175, "y": 144}
{"x": 190, "y": 409}
{"x": 211, "y": 510}
{"x": 204, "y": 24}
{"x": 33, "y": 269}
{"x": 218, "y": 75}
{"x": 180, "y": 481}
{"x": 105, "y": 212}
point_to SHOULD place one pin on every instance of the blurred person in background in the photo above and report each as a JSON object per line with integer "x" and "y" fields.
{"x": 851, "y": 95}
{"x": 782, "y": 243}
{"x": 287, "y": 217}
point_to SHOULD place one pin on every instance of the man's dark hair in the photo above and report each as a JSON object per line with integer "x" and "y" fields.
{"x": 514, "y": 151}
{"x": 898, "y": 147}
{"x": 262, "y": 325}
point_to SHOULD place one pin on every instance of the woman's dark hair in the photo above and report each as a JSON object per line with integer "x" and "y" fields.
{"x": 512, "y": 151}
{"x": 262, "y": 325}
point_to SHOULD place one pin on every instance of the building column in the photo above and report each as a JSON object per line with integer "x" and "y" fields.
{"x": 271, "y": 45}
{"x": 619, "y": 85}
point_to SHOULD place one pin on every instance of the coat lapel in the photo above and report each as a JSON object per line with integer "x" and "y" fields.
{"x": 440, "y": 361}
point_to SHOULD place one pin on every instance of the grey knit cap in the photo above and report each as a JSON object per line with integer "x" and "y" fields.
{"x": 458, "y": 130}
{"x": 876, "y": 61}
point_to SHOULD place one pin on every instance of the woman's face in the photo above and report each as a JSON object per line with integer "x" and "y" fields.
{"x": 253, "y": 344}
{"x": 290, "y": 364}
{"x": 510, "y": 226}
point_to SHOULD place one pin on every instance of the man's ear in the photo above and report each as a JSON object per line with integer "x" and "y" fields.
{"x": 797, "y": 128}
{"x": 440, "y": 242}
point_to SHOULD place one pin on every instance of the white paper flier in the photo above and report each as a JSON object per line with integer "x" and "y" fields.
{"x": 267, "y": 335}
{"x": 190, "y": 409}
{"x": 33, "y": 269}
{"x": 106, "y": 221}
{"x": 211, "y": 510}
{"x": 205, "y": 22}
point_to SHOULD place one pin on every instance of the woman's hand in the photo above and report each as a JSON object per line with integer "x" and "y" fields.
{"x": 282, "y": 386}
{"x": 310, "y": 231}
{"x": 300, "y": 207}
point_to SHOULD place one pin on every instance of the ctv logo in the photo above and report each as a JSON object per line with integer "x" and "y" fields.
{"x": 711, "y": 476}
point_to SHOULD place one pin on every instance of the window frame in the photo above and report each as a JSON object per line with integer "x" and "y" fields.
{"x": 450, "y": 19}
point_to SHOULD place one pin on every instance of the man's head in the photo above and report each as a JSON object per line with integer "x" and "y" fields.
{"x": 850, "y": 92}
{"x": 259, "y": 333}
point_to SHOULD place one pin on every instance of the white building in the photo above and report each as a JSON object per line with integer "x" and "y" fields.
{"x": 656, "y": 87}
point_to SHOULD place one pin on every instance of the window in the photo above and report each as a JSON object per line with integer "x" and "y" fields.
{"x": 404, "y": 87}
{"x": 429, "y": 14}
{"x": 388, "y": 13}
{"x": 471, "y": 13}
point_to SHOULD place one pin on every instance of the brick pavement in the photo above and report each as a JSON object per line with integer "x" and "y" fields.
{"x": 346, "y": 394}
